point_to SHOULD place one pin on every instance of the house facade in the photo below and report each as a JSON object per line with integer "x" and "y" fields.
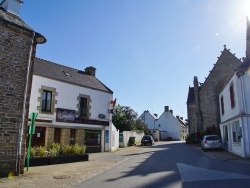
{"x": 235, "y": 107}
{"x": 18, "y": 44}
{"x": 73, "y": 106}
{"x": 202, "y": 101}
{"x": 235, "y": 112}
{"x": 167, "y": 125}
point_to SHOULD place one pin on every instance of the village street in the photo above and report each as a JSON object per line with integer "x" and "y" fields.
{"x": 166, "y": 164}
{"x": 177, "y": 165}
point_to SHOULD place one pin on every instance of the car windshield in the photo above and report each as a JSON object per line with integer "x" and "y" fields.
{"x": 146, "y": 137}
{"x": 212, "y": 138}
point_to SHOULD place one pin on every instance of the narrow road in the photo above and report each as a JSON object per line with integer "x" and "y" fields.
{"x": 172, "y": 164}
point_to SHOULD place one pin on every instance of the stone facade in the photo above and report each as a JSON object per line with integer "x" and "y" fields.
{"x": 15, "y": 47}
{"x": 16, "y": 69}
{"x": 203, "y": 103}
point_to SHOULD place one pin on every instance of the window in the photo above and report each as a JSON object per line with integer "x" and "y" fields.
{"x": 222, "y": 105}
{"x": 83, "y": 107}
{"x": 231, "y": 89}
{"x": 46, "y": 100}
{"x": 225, "y": 134}
{"x": 237, "y": 133}
{"x": 72, "y": 136}
{"x": 92, "y": 137}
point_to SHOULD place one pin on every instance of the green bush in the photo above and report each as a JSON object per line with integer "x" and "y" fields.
{"x": 66, "y": 150}
{"x": 78, "y": 149}
{"x": 54, "y": 149}
{"x": 33, "y": 151}
{"x": 41, "y": 151}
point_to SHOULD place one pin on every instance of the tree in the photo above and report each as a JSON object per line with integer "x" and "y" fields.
{"x": 126, "y": 119}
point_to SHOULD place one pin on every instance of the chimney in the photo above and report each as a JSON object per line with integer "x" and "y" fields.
{"x": 12, "y": 6}
{"x": 90, "y": 71}
{"x": 177, "y": 117}
{"x": 171, "y": 111}
{"x": 166, "y": 108}
{"x": 181, "y": 118}
{"x": 156, "y": 115}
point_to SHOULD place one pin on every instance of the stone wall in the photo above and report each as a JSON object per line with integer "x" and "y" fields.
{"x": 15, "y": 47}
{"x": 209, "y": 93}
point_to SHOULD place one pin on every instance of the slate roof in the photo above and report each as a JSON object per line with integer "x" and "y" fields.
{"x": 245, "y": 65}
{"x": 13, "y": 20}
{"x": 58, "y": 72}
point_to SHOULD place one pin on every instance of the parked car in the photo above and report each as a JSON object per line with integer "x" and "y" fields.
{"x": 211, "y": 142}
{"x": 147, "y": 140}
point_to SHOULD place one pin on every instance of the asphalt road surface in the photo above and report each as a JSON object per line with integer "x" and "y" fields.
{"x": 172, "y": 164}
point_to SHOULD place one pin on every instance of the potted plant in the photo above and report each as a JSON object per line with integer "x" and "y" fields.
{"x": 38, "y": 156}
{"x": 54, "y": 154}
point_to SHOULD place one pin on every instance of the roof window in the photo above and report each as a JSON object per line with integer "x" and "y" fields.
{"x": 67, "y": 74}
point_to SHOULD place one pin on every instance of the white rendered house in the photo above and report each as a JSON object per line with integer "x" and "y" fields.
{"x": 167, "y": 125}
{"x": 235, "y": 112}
{"x": 73, "y": 107}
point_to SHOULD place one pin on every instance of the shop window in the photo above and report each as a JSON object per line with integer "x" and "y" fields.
{"x": 231, "y": 90}
{"x": 72, "y": 136}
{"x": 57, "y": 135}
{"x": 237, "y": 132}
{"x": 92, "y": 137}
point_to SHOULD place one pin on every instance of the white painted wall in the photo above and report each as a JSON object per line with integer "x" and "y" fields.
{"x": 114, "y": 138}
{"x": 228, "y": 111}
{"x": 67, "y": 97}
{"x": 148, "y": 120}
{"x": 239, "y": 113}
{"x": 170, "y": 124}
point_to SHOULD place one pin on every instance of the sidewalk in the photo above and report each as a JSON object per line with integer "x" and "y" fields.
{"x": 223, "y": 155}
{"x": 66, "y": 175}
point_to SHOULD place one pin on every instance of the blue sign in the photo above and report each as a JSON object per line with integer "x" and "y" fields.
{"x": 107, "y": 136}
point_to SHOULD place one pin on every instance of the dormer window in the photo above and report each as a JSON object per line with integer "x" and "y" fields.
{"x": 67, "y": 74}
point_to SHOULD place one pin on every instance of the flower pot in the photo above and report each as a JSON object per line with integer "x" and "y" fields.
{"x": 38, "y": 161}
{"x": 56, "y": 160}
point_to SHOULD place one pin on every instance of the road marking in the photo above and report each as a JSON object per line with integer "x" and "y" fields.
{"x": 191, "y": 173}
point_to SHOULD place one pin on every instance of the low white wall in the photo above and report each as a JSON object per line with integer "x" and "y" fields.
{"x": 114, "y": 139}
{"x": 127, "y": 134}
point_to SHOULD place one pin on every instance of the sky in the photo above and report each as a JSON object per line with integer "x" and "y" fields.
{"x": 146, "y": 51}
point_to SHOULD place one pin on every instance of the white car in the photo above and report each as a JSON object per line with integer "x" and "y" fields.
{"x": 211, "y": 142}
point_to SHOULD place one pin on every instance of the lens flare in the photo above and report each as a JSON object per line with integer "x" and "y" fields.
{"x": 11, "y": 175}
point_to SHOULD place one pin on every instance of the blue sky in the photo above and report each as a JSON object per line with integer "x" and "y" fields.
{"x": 146, "y": 51}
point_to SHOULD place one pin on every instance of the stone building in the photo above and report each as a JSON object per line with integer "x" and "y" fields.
{"x": 18, "y": 46}
{"x": 202, "y": 101}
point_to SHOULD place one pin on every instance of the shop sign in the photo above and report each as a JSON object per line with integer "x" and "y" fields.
{"x": 101, "y": 116}
{"x": 65, "y": 115}
{"x": 92, "y": 122}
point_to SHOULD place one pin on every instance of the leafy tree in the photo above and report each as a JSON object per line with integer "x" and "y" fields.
{"x": 126, "y": 119}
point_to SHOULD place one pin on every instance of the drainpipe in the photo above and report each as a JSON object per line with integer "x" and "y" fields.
{"x": 19, "y": 147}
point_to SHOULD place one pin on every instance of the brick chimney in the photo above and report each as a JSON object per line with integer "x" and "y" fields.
{"x": 12, "y": 6}
{"x": 166, "y": 108}
{"x": 177, "y": 117}
{"x": 171, "y": 111}
{"x": 90, "y": 71}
